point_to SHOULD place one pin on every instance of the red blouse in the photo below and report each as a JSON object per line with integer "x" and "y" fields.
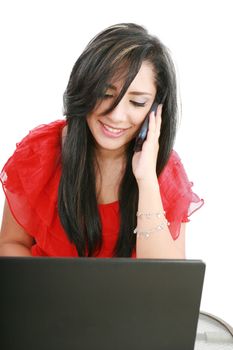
{"x": 30, "y": 180}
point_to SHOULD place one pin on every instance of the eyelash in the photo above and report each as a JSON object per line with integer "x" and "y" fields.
{"x": 137, "y": 104}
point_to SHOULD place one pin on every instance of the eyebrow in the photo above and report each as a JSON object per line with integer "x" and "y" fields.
{"x": 138, "y": 93}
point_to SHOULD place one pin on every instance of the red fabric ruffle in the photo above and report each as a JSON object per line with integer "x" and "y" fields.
{"x": 179, "y": 201}
{"x": 30, "y": 180}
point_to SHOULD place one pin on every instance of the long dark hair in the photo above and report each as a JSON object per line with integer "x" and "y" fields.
{"x": 127, "y": 46}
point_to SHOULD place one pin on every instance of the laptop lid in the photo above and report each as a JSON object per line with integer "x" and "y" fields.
{"x": 101, "y": 304}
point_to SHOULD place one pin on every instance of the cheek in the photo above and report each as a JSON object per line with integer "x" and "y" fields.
{"x": 138, "y": 120}
{"x": 136, "y": 129}
{"x": 101, "y": 106}
{"x": 91, "y": 118}
{"x": 138, "y": 123}
{"x": 91, "y": 124}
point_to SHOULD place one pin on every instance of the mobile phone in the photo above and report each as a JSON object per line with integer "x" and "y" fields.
{"x": 144, "y": 128}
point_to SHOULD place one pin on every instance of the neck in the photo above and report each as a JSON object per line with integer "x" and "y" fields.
{"x": 110, "y": 157}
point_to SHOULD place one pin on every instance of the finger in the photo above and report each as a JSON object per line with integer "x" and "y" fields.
{"x": 158, "y": 117}
{"x": 155, "y": 124}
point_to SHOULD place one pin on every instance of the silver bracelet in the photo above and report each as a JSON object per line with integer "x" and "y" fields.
{"x": 147, "y": 233}
{"x": 150, "y": 214}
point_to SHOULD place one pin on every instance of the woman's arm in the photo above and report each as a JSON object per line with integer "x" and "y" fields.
{"x": 153, "y": 240}
{"x": 14, "y": 241}
{"x": 159, "y": 244}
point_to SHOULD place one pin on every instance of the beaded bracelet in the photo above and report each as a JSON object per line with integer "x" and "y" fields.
{"x": 147, "y": 233}
{"x": 149, "y": 214}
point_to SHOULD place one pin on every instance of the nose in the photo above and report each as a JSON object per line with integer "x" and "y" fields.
{"x": 120, "y": 114}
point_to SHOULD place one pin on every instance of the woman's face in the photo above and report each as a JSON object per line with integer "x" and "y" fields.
{"x": 117, "y": 128}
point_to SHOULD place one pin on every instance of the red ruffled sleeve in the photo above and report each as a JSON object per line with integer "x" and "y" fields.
{"x": 31, "y": 178}
{"x": 30, "y": 181}
{"x": 179, "y": 201}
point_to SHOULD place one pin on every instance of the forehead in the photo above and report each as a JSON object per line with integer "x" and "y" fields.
{"x": 145, "y": 79}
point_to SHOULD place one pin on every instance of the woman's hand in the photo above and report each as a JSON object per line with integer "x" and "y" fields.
{"x": 144, "y": 162}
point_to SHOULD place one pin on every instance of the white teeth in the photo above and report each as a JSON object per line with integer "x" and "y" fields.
{"x": 116, "y": 131}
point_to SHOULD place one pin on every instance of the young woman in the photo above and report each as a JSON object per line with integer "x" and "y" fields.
{"x": 78, "y": 187}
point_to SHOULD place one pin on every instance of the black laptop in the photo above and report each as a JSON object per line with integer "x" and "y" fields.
{"x": 99, "y": 304}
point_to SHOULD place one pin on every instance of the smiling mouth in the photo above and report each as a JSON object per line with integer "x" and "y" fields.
{"x": 111, "y": 129}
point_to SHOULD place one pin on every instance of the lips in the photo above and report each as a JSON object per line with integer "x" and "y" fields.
{"x": 111, "y": 128}
{"x": 110, "y": 131}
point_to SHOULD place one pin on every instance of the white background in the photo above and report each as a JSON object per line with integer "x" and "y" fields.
{"x": 41, "y": 40}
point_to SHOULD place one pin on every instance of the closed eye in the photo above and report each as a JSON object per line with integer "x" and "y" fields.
{"x": 138, "y": 104}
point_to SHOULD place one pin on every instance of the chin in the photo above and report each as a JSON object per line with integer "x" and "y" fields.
{"x": 111, "y": 145}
